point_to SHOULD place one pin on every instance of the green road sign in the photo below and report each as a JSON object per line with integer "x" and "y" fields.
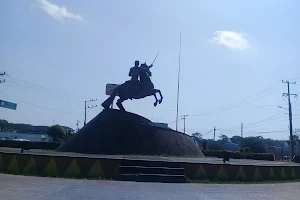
{"x": 8, "y": 105}
{"x": 164, "y": 125}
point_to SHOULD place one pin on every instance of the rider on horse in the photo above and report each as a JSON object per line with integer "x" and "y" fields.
{"x": 140, "y": 86}
{"x": 136, "y": 72}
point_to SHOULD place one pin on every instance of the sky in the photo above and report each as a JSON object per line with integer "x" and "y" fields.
{"x": 234, "y": 55}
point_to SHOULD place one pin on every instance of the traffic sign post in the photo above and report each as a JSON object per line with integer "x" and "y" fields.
{"x": 8, "y": 105}
{"x": 163, "y": 125}
{"x": 110, "y": 88}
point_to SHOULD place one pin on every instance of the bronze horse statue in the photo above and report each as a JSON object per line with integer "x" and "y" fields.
{"x": 129, "y": 90}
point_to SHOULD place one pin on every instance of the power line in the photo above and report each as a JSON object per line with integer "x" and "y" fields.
{"x": 41, "y": 93}
{"x": 52, "y": 91}
{"x": 262, "y": 132}
{"x": 174, "y": 110}
{"x": 41, "y": 90}
{"x": 208, "y": 132}
{"x": 50, "y": 109}
{"x": 196, "y": 130}
{"x": 173, "y": 122}
{"x": 274, "y": 122}
{"x": 253, "y": 95}
{"x": 272, "y": 117}
{"x": 45, "y": 108}
{"x": 228, "y": 130}
{"x": 42, "y": 87}
{"x": 259, "y": 132}
{"x": 244, "y": 101}
{"x": 269, "y": 120}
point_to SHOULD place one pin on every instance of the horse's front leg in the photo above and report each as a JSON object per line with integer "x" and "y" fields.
{"x": 108, "y": 102}
{"x": 161, "y": 97}
{"x": 156, "y": 100}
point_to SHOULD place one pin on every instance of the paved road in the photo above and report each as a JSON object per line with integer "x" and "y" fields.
{"x": 156, "y": 158}
{"x": 39, "y": 188}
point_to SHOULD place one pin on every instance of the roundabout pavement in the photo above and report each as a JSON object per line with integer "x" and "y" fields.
{"x": 15, "y": 187}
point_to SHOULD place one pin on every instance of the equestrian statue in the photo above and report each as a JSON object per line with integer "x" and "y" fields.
{"x": 138, "y": 87}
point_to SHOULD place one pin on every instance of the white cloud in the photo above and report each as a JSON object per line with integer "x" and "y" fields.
{"x": 231, "y": 39}
{"x": 59, "y": 13}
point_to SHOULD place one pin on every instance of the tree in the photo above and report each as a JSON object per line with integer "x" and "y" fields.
{"x": 57, "y": 132}
{"x": 235, "y": 139}
{"x": 197, "y": 135}
{"x": 223, "y": 139}
{"x": 215, "y": 145}
{"x": 296, "y": 138}
{"x": 269, "y": 142}
{"x": 3, "y": 124}
{"x": 255, "y": 144}
{"x": 68, "y": 135}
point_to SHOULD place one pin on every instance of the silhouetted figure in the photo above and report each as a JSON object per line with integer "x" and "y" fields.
{"x": 134, "y": 72}
{"x": 296, "y": 158}
{"x": 225, "y": 156}
{"x": 135, "y": 88}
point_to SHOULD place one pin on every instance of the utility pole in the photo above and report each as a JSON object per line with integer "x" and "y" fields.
{"x": 77, "y": 125}
{"x": 288, "y": 94}
{"x": 215, "y": 133}
{"x": 296, "y": 132}
{"x": 2, "y": 74}
{"x": 242, "y": 127}
{"x": 93, "y": 106}
{"x": 184, "y": 117}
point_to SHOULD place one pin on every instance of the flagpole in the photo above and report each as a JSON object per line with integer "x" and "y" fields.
{"x": 178, "y": 84}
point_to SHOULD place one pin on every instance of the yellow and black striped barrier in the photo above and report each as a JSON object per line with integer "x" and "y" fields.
{"x": 107, "y": 168}
{"x": 240, "y": 172}
{"x": 60, "y": 166}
